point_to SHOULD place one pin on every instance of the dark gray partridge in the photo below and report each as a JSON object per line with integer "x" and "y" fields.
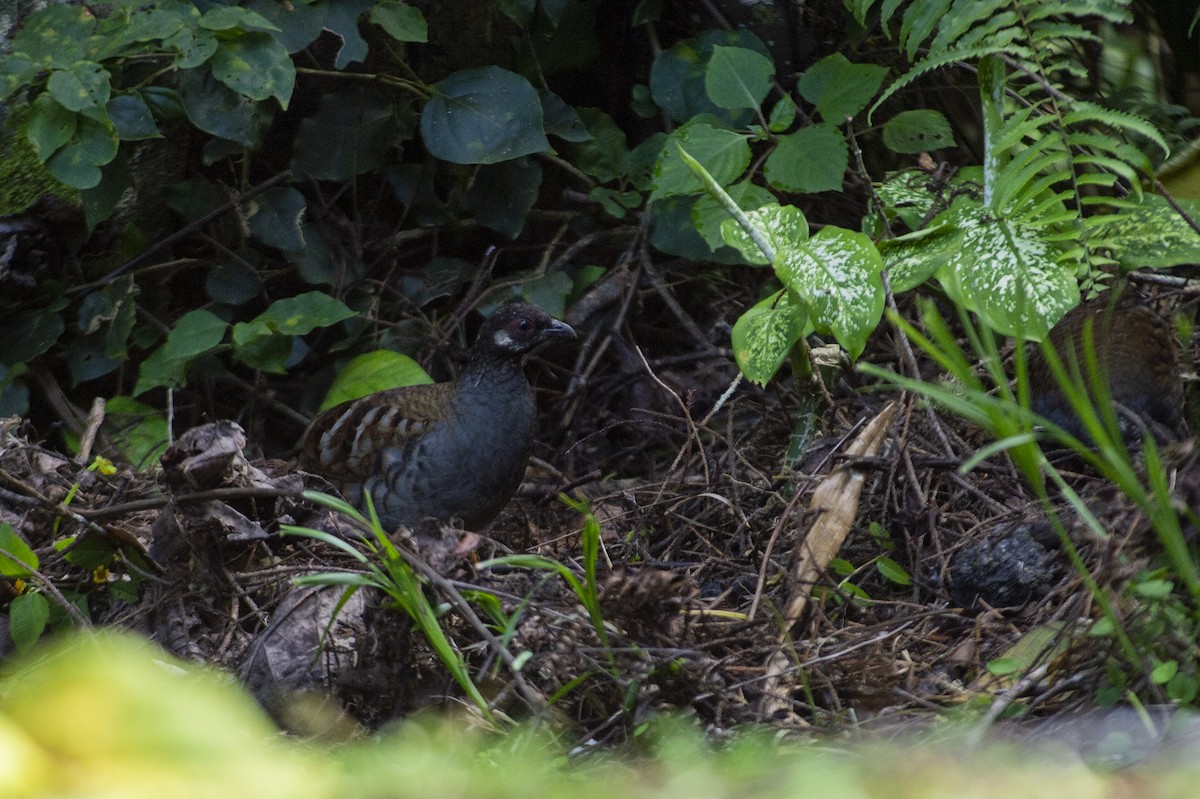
{"x": 454, "y": 450}
{"x": 1136, "y": 354}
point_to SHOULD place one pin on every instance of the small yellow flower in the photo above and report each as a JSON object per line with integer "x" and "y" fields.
{"x": 100, "y": 574}
{"x": 102, "y": 465}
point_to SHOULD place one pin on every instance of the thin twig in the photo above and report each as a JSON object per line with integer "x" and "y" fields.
{"x": 47, "y": 585}
{"x": 153, "y": 503}
{"x": 185, "y": 231}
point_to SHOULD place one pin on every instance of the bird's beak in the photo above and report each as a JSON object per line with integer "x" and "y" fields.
{"x": 557, "y": 329}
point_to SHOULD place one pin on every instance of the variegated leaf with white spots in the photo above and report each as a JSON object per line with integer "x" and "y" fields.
{"x": 836, "y": 272}
{"x": 1006, "y": 272}
{"x": 783, "y": 227}
{"x": 764, "y": 335}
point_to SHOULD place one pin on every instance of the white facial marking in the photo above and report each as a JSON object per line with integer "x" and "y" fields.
{"x": 503, "y": 340}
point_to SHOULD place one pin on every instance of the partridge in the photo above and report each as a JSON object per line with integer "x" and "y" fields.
{"x": 1136, "y": 354}
{"x": 453, "y": 450}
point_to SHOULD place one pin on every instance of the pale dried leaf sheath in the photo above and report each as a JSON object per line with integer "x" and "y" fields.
{"x": 835, "y": 501}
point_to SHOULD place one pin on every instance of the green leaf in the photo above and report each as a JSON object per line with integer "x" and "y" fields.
{"x": 615, "y": 203}
{"x": 913, "y": 258}
{"x": 27, "y": 617}
{"x": 561, "y": 120}
{"x": 87, "y": 359}
{"x": 917, "y": 132}
{"x": 56, "y": 36}
{"x": 225, "y": 18}
{"x": 14, "y": 393}
{"x": 483, "y": 116}
{"x": 163, "y": 102}
{"x": 100, "y": 201}
{"x": 196, "y": 333}
{"x": 83, "y": 85}
{"x": 519, "y": 11}
{"x": 297, "y": 25}
{"x": 17, "y": 71}
{"x": 193, "y": 47}
{"x": 215, "y": 108}
{"x": 195, "y": 197}
{"x": 502, "y": 195}
{"x": 155, "y": 24}
{"x": 1164, "y": 672}
{"x": 348, "y": 136}
{"x": 892, "y": 571}
{"x": 672, "y": 230}
{"x": 372, "y": 372}
{"x": 838, "y": 88}
{"x": 723, "y": 153}
{"x": 233, "y": 282}
{"x": 24, "y": 335}
{"x": 710, "y": 215}
{"x": 49, "y": 126}
{"x": 549, "y": 292}
{"x": 563, "y": 37}
{"x": 20, "y": 560}
{"x": 784, "y": 227}
{"x": 113, "y": 309}
{"x": 401, "y": 21}
{"x": 678, "y": 76}
{"x": 737, "y": 77}
{"x": 639, "y": 165}
{"x": 78, "y": 162}
{"x": 1005, "y": 272}
{"x": 87, "y": 551}
{"x": 125, "y": 590}
{"x": 341, "y": 19}
{"x": 836, "y": 272}
{"x": 1154, "y": 589}
{"x": 132, "y": 118}
{"x": 811, "y": 159}
{"x": 1151, "y": 233}
{"x": 1183, "y": 689}
{"x": 256, "y": 66}
{"x": 782, "y": 115}
{"x": 136, "y": 429}
{"x": 296, "y": 316}
{"x": 1004, "y": 666}
{"x": 264, "y": 342}
{"x": 275, "y": 218}
{"x": 765, "y": 334}
{"x": 605, "y": 154}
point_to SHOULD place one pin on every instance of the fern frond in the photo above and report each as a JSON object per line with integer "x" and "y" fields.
{"x": 999, "y": 32}
{"x": 1016, "y": 187}
{"x": 930, "y": 64}
{"x": 1117, "y": 148}
{"x": 1083, "y": 112}
{"x": 1065, "y": 31}
{"x": 1115, "y": 11}
{"x": 921, "y": 20}
{"x": 1019, "y": 126}
{"x": 965, "y": 15}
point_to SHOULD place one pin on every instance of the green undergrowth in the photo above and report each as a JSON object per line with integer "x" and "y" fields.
{"x": 109, "y": 715}
{"x": 1150, "y": 617}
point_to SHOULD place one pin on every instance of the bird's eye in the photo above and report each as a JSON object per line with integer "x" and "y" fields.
{"x": 523, "y": 325}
